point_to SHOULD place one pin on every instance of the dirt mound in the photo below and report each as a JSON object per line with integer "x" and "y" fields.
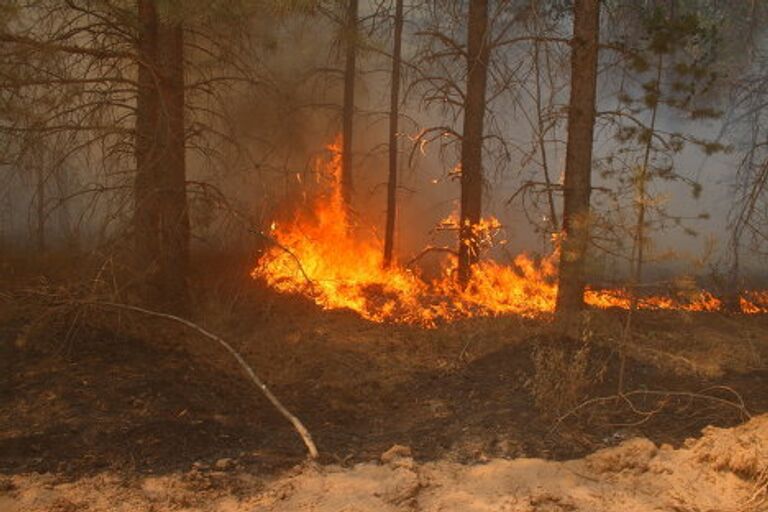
{"x": 743, "y": 450}
{"x": 635, "y": 476}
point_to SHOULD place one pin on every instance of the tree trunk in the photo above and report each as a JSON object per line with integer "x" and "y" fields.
{"x": 161, "y": 218}
{"x": 732, "y": 291}
{"x": 578, "y": 159}
{"x": 394, "y": 105}
{"x": 541, "y": 135}
{"x": 348, "y": 111}
{"x": 732, "y": 295}
{"x": 40, "y": 214}
{"x": 637, "y": 259}
{"x": 641, "y": 179}
{"x": 478, "y": 53}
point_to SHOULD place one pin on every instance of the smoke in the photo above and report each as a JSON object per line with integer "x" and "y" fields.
{"x": 281, "y": 125}
{"x": 299, "y": 114}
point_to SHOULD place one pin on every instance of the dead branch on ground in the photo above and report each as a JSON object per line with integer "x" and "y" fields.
{"x": 737, "y": 404}
{"x": 306, "y": 437}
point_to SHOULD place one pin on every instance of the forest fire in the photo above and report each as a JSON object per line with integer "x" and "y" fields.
{"x": 318, "y": 254}
{"x": 529, "y": 273}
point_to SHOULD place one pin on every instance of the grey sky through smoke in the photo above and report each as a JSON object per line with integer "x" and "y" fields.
{"x": 289, "y": 121}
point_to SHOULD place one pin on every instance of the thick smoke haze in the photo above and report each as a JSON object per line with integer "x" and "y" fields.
{"x": 282, "y": 126}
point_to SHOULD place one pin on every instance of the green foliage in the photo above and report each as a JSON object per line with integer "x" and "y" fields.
{"x": 670, "y": 70}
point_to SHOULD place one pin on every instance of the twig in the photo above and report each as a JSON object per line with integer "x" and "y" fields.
{"x": 427, "y": 251}
{"x": 739, "y": 405}
{"x": 289, "y": 252}
{"x": 669, "y": 355}
{"x": 306, "y": 437}
{"x": 464, "y": 348}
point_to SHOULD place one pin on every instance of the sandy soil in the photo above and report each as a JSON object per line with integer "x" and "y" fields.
{"x": 724, "y": 470}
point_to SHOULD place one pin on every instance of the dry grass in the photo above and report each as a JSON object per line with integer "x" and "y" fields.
{"x": 705, "y": 345}
{"x": 758, "y": 500}
{"x": 562, "y": 376}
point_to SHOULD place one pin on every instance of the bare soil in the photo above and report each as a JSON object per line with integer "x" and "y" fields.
{"x": 129, "y": 399}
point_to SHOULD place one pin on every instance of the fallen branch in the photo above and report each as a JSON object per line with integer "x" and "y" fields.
{"x": 646, "y": 415}
{"x": 306, "y": 437}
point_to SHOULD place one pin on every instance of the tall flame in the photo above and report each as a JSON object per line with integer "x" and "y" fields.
{"x": 316, "y": 254}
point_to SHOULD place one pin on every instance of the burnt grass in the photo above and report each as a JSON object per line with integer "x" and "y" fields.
{"x": 109, "y": 398}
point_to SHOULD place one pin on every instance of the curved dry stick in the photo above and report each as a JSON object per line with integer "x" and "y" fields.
{"x": 290, "y": 253}
{"x": 739, "y": 406}
{"x": 306, "y": 437}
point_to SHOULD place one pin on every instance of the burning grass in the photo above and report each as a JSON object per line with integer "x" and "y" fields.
{"x": 318, "y": 253}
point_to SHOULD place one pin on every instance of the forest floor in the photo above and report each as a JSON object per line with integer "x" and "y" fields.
{"x": 105, "y": 411}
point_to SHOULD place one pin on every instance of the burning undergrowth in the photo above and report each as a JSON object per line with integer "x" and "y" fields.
{"x": 320, "y": 253}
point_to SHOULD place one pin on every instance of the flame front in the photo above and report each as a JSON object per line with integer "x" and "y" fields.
{"x": 317, "y": 254}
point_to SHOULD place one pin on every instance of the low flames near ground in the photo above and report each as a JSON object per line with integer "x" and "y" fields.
{"x": 389, "y": 256}
{"x": 320, "y": 254}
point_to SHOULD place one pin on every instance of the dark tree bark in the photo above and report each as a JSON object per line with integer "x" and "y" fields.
{"x": 394, "y": 113}
{"x": 348, "y": 111}
{"x": 732, "y": 295}
{"x": 161, "y": 218}
{"x": 40, "y": 193}
{"x": 478, "y": 53}
{"x": 578, "y": 159}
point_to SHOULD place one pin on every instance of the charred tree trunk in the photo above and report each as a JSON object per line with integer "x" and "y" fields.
{"x": 731, "y": 296}
{"x": 40, "y": 214}
{"x": 161, "y": 218}
{"x": 478, "y": 53}
{"x": 578, "y": 159}
{"x": 394, "y": 113}
{"x": 348, "y": 111}
{"x": 146, "y": 207}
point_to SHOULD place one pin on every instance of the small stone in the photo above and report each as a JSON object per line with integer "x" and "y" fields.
{"x": 223, "y": 463}
{"x": 633, "y": 455}
{"x": 6, "y": 485}
{"x": 397, "y": 456}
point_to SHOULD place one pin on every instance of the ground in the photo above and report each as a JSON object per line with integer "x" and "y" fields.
{"x": 96, "y": 405}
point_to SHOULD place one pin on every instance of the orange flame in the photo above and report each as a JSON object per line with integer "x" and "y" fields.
{"x": 754, "y": 302}
{"x": 317, "y": 255}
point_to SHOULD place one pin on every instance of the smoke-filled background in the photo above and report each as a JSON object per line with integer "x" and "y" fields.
{"x": 254, "y": 140}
